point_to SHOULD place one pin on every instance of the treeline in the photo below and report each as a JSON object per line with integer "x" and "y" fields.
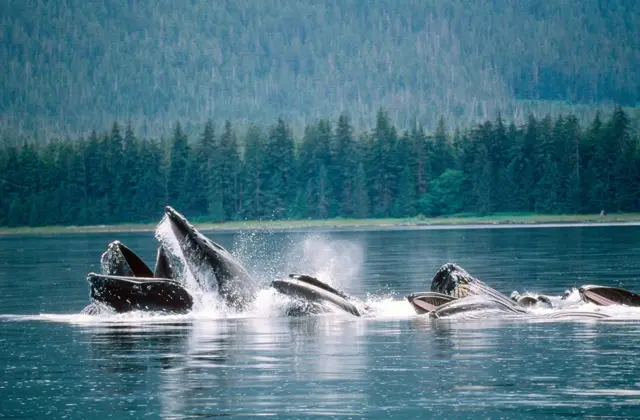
{"x": 545, "y": 166}
{"x": 68, "y": 66}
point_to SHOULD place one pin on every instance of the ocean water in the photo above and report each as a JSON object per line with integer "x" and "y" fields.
{"x": 57, "y": 363}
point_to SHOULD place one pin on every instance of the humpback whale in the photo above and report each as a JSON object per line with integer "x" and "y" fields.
{"x": 125, "y": 294}
{"x": 127, "y": 284}
{"x": 454, "y": 290}
{"x": 212, "y": 266}
{"x": 311, "y": 291}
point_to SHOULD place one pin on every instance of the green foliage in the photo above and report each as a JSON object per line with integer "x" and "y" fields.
{"x": 545, "y": 166}
{"x": 176, "y": 180}
{"x": 445, "y": 195}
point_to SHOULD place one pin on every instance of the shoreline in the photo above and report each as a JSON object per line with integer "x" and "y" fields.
{"x": 496, "y": 220}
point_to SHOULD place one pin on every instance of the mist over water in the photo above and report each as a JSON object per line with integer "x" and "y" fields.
{"x": 213, "y": 361}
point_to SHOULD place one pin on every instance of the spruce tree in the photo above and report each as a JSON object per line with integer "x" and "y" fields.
{"x": 177, "y": 168}
{"x": 361, "y": 198}
{"x": 150, "y": 196}
{"x": 278, "y": 175}
{"x": 345, "y": 163}
{"x": 252, "y": 174}
{"x": 116, "y": 173}
{"x": 442, "y": 155}
{"x": 624, "y": 177}
{"x": 229, "y": 168}
{"x": 420, "y": 160}
{"x": 384, "y": 171}
{"x": 574, "y": 163}
{"x": 199, "y": 170}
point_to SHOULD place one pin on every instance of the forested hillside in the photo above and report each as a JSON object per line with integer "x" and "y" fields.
{"x": 547, "y": 166}
{"x": 73, "y": 65}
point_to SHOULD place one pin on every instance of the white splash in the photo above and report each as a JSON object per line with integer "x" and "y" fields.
{"x": 336, "y": 262}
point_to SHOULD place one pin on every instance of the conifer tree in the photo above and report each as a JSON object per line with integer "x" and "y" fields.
{"x": 442, "y": 155}
{"x": 76, "y": 194}
{"x": 624, "y": 177}
{"x": 229, "y": 169}
{"x": 177, "y": 168}
{"x": 129, "y": 175}
{"x": 362, "y": 198}
{"x": 200, "y": 167}
{"x": 345, "y": 165}
{"x": 278, "y": 175}
{"x": 420, "y": 160}
{"x": 384, "y": 170}
{"x": 150, "y": 192}
{"x": 116, "y": 181}
{"x": 252, "y": 177}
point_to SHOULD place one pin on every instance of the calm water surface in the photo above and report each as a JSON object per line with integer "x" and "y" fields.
{"x": 57, "y": 364}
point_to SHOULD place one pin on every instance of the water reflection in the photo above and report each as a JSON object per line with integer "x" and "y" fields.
{"x": 236, "y": 366}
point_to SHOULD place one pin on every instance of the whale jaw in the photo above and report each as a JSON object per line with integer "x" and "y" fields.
{"x": 606, "y": 296}
{"x": 222, "y": 271}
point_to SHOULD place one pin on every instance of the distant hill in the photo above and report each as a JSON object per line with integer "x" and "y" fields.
{"x": 72, "y": 65}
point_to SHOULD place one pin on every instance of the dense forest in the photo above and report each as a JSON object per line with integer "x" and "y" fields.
{"x": 548, "y": 165}
{"x": 68, "y": 66}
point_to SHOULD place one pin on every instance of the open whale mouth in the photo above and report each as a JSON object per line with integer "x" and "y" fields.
{"x": 454, "y": 281}
{"x": 425, "y": 302}
{"x": 454, "y": 290}
{"x": 213, "y": 267}
{"x": 125, "y": 294}
{"x": 475, "y": 303}
{"x": 310, "y": 289}
{"x": 606, "y": 296}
